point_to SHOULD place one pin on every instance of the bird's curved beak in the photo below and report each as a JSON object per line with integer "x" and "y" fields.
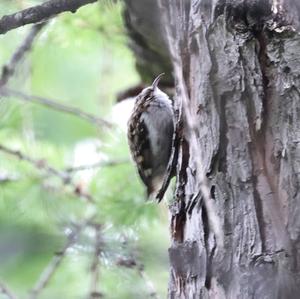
{"x": 156, "y": 80}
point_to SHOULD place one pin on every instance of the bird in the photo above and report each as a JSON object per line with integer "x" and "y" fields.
{"x": 150, "y": 135}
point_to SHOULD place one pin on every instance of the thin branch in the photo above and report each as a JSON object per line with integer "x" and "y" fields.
{"x": 8, "y": 70}
{"x": 6, "y": 291}
{"x": 56, "y": 106}
{"x": 40, "y": 13}
{"x": 7, "y": 178}
{"x": 95, "y": 271}
{"x": 132, "y": 263}
{"x": 56, "y": 261}
{"x": 96, "y": 165}
{"x": 39, "y": 164}
{"x": 148, "y": 282}
{"x": 42, "y": 164}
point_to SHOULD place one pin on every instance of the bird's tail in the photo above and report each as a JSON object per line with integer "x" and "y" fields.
{"x": 154, "y": 187}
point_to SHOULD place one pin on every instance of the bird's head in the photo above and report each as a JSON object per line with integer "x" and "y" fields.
{"x": 151, "y": 90}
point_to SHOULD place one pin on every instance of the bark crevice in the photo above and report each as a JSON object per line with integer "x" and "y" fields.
{"x": 237, "y": 67}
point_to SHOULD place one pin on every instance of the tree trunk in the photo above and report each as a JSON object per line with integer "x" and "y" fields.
{"x": 237, "y": 68}
{"x": 143, "y": 22}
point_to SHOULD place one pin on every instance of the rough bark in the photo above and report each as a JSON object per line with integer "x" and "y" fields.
{"x": 237, "y": 64}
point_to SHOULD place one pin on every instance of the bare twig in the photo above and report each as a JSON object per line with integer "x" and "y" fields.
{"x": 148, "y": 282}
{"x": 7, "y": 178}
{"x": 54, "y": 264}
{"x": 39, "y": 164}
{"x": 42, "y": 164}
{"x": 56, "y": 106}
{"x": 96, "y": 165}
{"x": 6, "y": 291}
{"x": 95, "y": 271}
{"x": 9, "y": 69}
{"x": 40, "y": 13}
{"x": 132, "y": 263}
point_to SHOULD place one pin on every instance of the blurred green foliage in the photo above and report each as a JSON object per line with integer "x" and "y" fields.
{"x": 80, "y": 60}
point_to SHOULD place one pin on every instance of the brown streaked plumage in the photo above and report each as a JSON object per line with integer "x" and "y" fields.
{"x": 150, "y": 131}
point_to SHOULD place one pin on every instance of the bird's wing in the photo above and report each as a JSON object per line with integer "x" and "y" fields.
{"x": 141, "y": 151}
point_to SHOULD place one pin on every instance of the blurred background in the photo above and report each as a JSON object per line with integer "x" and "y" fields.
{"x": 73, "y": 217}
